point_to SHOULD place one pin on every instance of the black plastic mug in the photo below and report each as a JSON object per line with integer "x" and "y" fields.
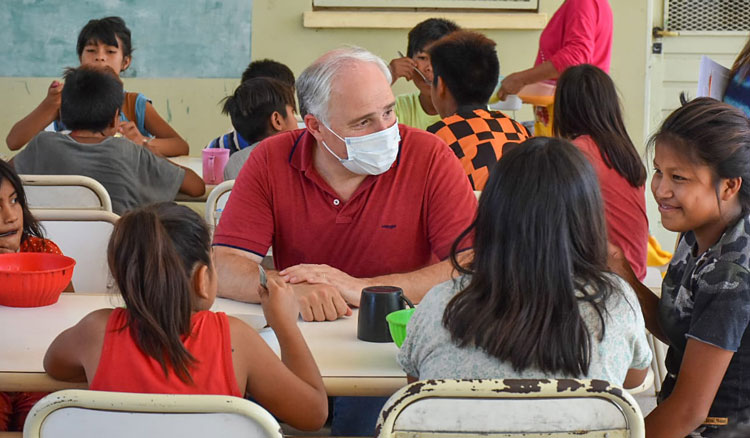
{"x": 374, "y": 304}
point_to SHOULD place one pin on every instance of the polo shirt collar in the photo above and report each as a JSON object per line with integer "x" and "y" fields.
{"x": 300, "y": 156}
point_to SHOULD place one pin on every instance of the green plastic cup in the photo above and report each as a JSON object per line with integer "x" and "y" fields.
{"x": 397, "y": 324}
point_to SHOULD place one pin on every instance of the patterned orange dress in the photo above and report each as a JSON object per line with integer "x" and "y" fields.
{"x": 37, "y": 244}
{"x": 15, "y": 406}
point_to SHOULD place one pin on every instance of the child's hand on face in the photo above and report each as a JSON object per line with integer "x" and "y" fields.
{"x": 54, "y": 94}
{"x": 402, "y": 68}
{"x": 279, "y": 302}
{"x": 130, "y": 130}
{"x": 7, "y": 249}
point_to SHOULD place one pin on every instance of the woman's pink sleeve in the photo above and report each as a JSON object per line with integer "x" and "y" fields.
{"x": 578, "y": 39}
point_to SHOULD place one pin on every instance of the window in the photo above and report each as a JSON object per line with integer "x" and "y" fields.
{"x": 431, "y": 4}
{"x": 708, "y": 16}
{"x": 405, "y": 14}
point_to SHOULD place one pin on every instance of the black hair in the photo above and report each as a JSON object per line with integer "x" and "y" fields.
{"x": 253, "y": 103}
{"x": 105, "y": 30}
{"x": 712, "y": 133}
{"x": 90, "y": 98}
{"x": 268, "y": 68}
{"x": 152, "y": 254}
{"x": 540, "y": 248}
{"x": 586, "y": 103}
{"x": 467, "y": 63}
{"x": 426, "y": 32}
{"x": 31, "y": 227}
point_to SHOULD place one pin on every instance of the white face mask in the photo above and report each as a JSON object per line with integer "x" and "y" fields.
{"x": 370, "y": 154}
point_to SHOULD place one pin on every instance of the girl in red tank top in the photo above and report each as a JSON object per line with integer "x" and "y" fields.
{"x": 166, "y": 340}
{"x": 587, "y": 112}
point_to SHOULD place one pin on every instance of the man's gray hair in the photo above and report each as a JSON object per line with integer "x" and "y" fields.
{"x": 314, "y": 84}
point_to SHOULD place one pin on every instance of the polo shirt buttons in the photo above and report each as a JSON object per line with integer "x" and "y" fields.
{"x": 336, "y": 202}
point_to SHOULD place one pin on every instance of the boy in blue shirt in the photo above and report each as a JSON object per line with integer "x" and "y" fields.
{"x": 259, "y": 108}
{"x": 264, "y": 68}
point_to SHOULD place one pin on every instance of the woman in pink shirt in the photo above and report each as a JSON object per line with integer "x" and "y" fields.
{"x": 587, "y": 112}
{"x": 580, "y": 32}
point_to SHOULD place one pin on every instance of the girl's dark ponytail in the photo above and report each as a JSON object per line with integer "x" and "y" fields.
{"x": 152, "y": 254}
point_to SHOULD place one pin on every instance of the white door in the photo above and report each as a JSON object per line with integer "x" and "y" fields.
{"x": 693, "y": 28}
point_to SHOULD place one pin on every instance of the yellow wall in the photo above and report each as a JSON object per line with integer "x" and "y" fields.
{"x": 191, "y": 105}
{"x": 280, "y": 34}
{"x": 630, "y": 52}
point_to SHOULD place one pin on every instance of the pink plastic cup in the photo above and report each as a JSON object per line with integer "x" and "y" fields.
{"x": 214, "y": 160}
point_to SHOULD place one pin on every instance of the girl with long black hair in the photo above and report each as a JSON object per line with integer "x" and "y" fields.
{"x": 588, "y": 114}
{"x": 537, "y": 300}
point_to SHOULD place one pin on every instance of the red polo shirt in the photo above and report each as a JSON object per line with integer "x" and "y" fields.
{"x": 399, "y": 221}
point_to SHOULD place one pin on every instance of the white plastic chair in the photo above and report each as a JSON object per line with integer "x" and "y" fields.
{"x": 216, "y": 202}
{"x": 81, "y": 413}
{"x": 477, "y": 193}
{"x": 65, "y": 192}
{"x": 511, "y": 408}
{"x": 659, "y": 355}
{"x": 82, "y": 235}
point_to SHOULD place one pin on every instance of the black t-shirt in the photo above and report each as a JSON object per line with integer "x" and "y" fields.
{"x": 707, "y": 297}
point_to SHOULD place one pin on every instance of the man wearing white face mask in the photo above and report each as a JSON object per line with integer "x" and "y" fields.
{"x": 370, "y": 154}
{"x": 353, "y": 200}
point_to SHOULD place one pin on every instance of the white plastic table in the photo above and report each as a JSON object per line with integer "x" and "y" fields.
{"x": 196, "y": 165}
{"x": 193, "y": 163}
{"x": 348, "y": 366}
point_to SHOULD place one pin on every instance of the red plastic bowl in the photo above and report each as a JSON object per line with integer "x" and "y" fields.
{"x": 32, "y": 279}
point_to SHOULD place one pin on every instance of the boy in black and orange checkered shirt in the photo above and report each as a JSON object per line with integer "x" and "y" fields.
{"x": 466, "y": 70}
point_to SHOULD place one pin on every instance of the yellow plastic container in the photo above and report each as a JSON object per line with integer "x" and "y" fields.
{"x": 542, "y": 96}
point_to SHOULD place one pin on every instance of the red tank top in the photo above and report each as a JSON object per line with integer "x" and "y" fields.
{"x": 124, "y": 367}
{"x": 624, "y": 208}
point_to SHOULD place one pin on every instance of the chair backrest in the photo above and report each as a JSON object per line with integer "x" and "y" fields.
{"x": 648, "y": 381}
{"x": 658, "y": 358}
{"x": 82, "y": 413}
{"x": 82, "y": 235}
{"x": 216, "y": 202}
{"x": 510, "y": 408}
{"x": 65, "y": 192}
